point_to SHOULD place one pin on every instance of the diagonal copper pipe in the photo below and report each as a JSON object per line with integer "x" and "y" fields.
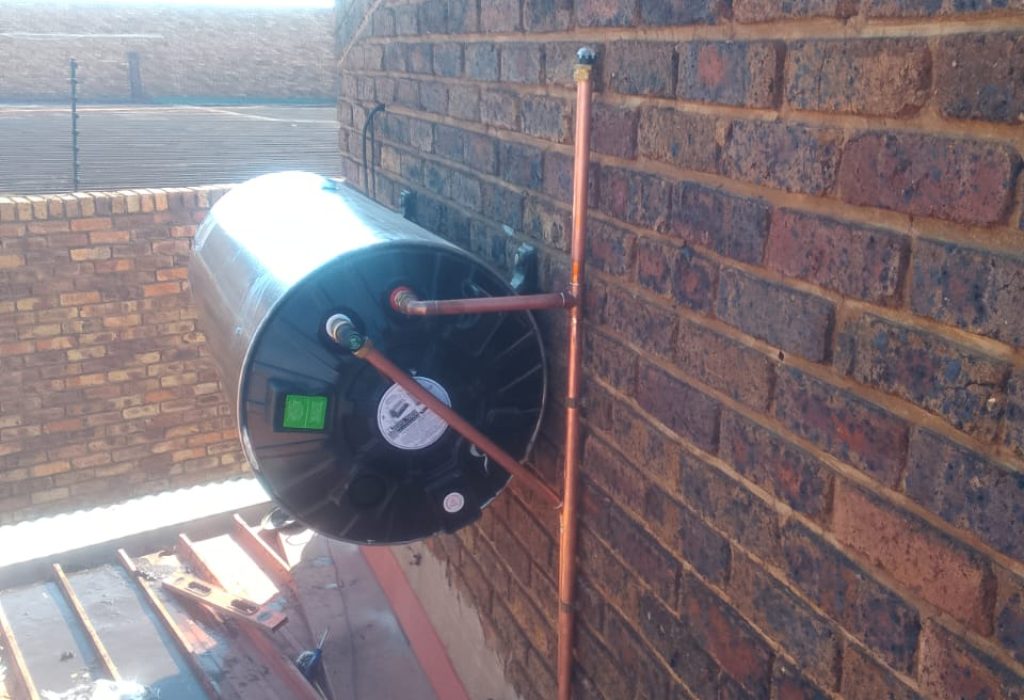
{"x": 405, "y": 301}
{"x": 342, "y": 331}
{"x": 569, "y": 525}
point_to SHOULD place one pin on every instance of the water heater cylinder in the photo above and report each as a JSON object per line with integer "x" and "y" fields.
{"x": 341, "y": 448}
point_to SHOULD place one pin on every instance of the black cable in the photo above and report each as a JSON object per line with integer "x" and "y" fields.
{"x": 368, "y": 128}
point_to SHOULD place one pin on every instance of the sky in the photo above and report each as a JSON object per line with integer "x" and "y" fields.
{"x": 209, "y": 3}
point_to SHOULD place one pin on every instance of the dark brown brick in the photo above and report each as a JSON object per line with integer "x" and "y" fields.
{"x": 975, "y": 76}
{"x": 681, "y": 12}
{"x": 482, "y": 62}
{"x": 730, "y": 640}
{"x": 636, "y": 322}
{"x": 558, "y": 178}
{"x": 969, "y": 182}
{"x": 622, "y": 481}
{"x": 601, "y": 665}
{"x": 767, "y": 10}
{"x": 864, "y": 678}
{"x": 480, "y": 150}
{"x": 547, "y": 223}
{"x": 687, "y": 536}
{"x": 421, "y": 58}
{"x": 406, "y": 20}
{"x": 641, "y": 553}
{"x": 1013, "y": 425}
{"x": 504, "y": 206}
{"x": 655, "y": 266}
{"x": 464, "y": 102}
{"x": 730, "y": 507}
{"x": 953, "y": 381}
{"x": 805, "y": 635}
{"x": 647, "y": 448}
{"x": 1009, "y": 613}
{"x": 520, "y": 164}
{"x": 499, "y": 108}
{"x": 788, "y": 683}
{"x": 448, "y": 59}
{"x": 933, "y": 8}
{"x": 871, "y": 613}
{"x": 951, "y": 669}
{"x": 547, "y": 15}
{"x": 793, "y": 321}
{"x": 434, "y": 97}
{"x": 977, "y": 290}
{"x": 395, "y": 57}
{"x": 522, "y": 63}
{"x": 732, "y": 226}
{"x": 785, "y": 156}
{"x": 613, "y": 362}
{"x": 641, "y": 68}
{"x": 694, "y": 279}
{"x": 648, "y": 678}
{"x": 880, "y": 77}
{"x": 619, "y": 585}
{"x": 433, "y": 17}
{"x": 968, "y": 490}
{"x": 723, "y": 363}
{"x": 614, "y": 130}
{"x": 606, "y": 13}
{"x": 500, "y": 16}
{"x": 924, "y": 560}
{"x": 844, "y": 425}
{"x": 463, "y": 17}
{"x": 679, "y": 406}
{"x": 611, "y": 248}
{"x": 854, "y": 260}
{"x": 634, "y": 197}
{"x": 545, "y": 117}
{"x": 747, "y": 74}
{"x": 686, "y": 140}
{"x": 674, "y": 640}
{"x": 785, "y": 470}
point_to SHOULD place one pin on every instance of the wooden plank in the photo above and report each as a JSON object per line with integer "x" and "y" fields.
{"x": 21, "y": 681}
{"x": 86, "y": 623}
{"x": 224, "y": 601}
{"x": 257, "y": 548}
{"x": 281, "y": 666}
{"x": 180, "y": 641}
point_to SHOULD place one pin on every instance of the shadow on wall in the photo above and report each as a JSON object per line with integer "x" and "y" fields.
{"x": 129, "y": 53}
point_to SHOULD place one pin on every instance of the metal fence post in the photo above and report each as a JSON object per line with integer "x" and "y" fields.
{"x": 74, "y": 124}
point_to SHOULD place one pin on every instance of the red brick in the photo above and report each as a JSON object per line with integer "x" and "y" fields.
{"x": 767, "y": 10}
{"x": 634, "y": 197}
{"x": 1009, "y": 612}
{"x": 968, "y": 490}
{"x": 614, "y": 130}
{"x": 924, "y": 560}
{"x": 522, "y": 63}
{"x": 679, "y": 406}
{"x": 723, "y": 363}
{"x": 953, "y": 381}
{"x": 785, "y": 470}
{"x": 639, "y": 323}
{"x": 785, "y": 156}
{"x": 873, "y": 614}
{"x": 547, "y": 15}
{"x": 842, "y": 424}
{"x": 545, "y": 117}
{"x": 864, "y": 678}
{"x": 730, "y": 507}
{"x": 685, "y": 534}
{"x": 952, "y": 669}
{"x": 680, "y": 12}
{"x": 611, "y": 248}
{"x": 499, "y": 16}
{"x": 977, "y": 290}
{"x": 640, "y": 68}
{"x": 793, "y": 321}
{"x": 974, "y": 76}
{"x": 720, "y": 630}
{"x": 735, "y": 227}
{"x": 969, "y": 182}
{"x": 606, "y": 13}
{"x": 879, "y": 77}
{"x": 855, "y": 260}
{"x": 685, "y": 140}
{"x": 747, "y": 74}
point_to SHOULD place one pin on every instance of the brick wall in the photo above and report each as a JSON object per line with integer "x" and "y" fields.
{"x": 106, "y": 388}
{"x": 184, "y": 53}
{"x": 804, "y": 462}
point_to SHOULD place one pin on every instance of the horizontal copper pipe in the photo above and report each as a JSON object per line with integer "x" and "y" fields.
{"x": 405, "y": 301}
{"x": 389, "y": 369}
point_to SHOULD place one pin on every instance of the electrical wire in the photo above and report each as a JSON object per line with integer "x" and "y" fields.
{"x": 368, "y": 130}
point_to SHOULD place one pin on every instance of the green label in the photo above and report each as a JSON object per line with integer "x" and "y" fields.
{"x": 304, "y": 412}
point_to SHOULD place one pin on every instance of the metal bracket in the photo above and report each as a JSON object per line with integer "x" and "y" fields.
{"x": 524, "y": 270}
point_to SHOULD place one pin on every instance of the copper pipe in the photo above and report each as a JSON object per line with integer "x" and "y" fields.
{"x": 405, "y": 301}
{"x": 342, "y": 331}
{"x": 569, "y": 523}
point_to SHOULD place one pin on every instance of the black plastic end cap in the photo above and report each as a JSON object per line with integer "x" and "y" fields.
{"x": 586, "y": 56}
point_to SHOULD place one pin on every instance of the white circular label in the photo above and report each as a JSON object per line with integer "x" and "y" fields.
{"x": 454, "y": 502}
{"x": 405, "y": 422}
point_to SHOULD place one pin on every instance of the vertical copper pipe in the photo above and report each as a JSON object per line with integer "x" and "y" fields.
{"x": 570, "y": 495}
